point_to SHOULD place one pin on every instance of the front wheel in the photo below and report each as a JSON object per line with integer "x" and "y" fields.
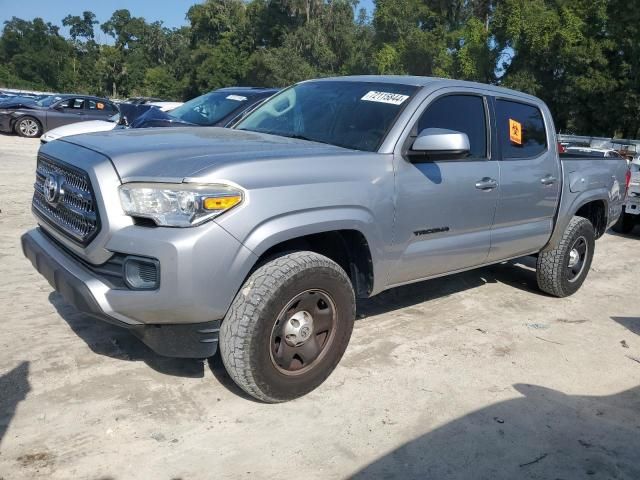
{"x": 288, "y": 326}
{"x": 28, "y": 127}
{"x": 561, "y": 271}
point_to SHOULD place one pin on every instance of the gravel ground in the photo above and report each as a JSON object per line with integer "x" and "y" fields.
{"x": 474, "y": 376}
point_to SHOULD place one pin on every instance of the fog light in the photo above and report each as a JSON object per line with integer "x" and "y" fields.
{"x": 141, "y": 273}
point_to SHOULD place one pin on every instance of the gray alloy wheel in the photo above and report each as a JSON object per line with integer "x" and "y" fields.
{"x": 561, "y": 271}
{"x": 288, "y": 326}
{"x": 28, "y": 127}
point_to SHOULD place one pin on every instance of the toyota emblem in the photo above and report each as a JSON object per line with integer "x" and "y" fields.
{"x": 51, "y": 188}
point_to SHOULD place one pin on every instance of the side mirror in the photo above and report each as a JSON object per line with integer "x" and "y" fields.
{"x": 59, "y": 107}
{"x": 440, "y": 143}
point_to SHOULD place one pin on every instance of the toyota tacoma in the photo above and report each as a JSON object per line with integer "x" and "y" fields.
{"x": 257, "y": 240}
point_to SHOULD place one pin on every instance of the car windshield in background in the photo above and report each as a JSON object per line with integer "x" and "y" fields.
{"x": 48, "y": 101}
{"x": 210, "y": 108}
{"x": 355, "y": 115}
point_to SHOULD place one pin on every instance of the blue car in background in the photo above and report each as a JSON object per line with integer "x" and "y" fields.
{"x": 220, "y": 108}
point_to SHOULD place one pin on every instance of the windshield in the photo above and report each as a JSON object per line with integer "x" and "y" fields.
{"x": 355, "y": 115}
{"x": 210, "y": 108}
{"x": 48, "y": 101}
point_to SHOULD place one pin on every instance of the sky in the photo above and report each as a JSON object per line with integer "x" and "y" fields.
{"x": 171, "y": 12}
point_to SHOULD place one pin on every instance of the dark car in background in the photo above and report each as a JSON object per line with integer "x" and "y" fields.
{"x": 142, "y": 100}
{"x": 31, "y": 118}
{"x": 220, "y": 108}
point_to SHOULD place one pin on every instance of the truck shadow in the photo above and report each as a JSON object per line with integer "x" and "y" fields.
{"x": 630, "y": 323}
{"x": 115, "y": 342}
{"x": 519, "y": 273}
{"x": 14, "y": 386}
{"x": 635, "y": 232}
{"x": 542, "y": 434}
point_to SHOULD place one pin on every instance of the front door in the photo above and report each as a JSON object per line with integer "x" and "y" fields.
{"x": 70, "y": 110}
{"x": 445, "y": 209}
{"x": 529, "y": 180}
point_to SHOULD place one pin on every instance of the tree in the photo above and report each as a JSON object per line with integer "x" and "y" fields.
{"x": 81, "y": 27}
{"x": 581, "y": 56}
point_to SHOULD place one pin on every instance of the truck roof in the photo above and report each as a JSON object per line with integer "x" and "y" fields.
{"x": 426, "y": 81}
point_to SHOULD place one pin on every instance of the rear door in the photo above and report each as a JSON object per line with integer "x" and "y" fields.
{"x": 69, "y": 110}
{"x": 444, "y": 209}
{"x": 97, "y": 109}
{"x": 530, "y": 179}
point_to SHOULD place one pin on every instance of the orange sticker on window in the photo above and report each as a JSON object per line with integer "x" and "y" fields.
{"x": 515, "y": 132}
{"x": 100, "y": 106}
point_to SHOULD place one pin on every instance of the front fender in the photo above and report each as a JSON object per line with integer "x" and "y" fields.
{"x": 296, "y": 224}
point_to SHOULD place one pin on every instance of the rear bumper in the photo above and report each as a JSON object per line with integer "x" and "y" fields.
{"x": 85, "y": 292}
{"x": 632, "y": 205}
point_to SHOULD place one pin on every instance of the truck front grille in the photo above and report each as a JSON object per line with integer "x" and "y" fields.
{"x": 63, "y": 198}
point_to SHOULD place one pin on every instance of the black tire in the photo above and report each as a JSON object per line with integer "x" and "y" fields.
{"x": 554, "y": 272}
{"x": 248, "y": 336}
{"x": 28, "y": 127}
{"x": 624, "y": 224}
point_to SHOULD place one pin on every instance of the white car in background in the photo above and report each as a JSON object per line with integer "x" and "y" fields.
{"x": 97, "y": 125}
{"x": 631, "y": 209}
{"x": 594, "y": 152}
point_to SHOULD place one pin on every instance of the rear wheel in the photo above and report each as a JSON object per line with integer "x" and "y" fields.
{"x": 561, "y": 271}
{"x": 624, "y": 224}
{"x": 28, "y": 127}
{"x": 288, "y": 327}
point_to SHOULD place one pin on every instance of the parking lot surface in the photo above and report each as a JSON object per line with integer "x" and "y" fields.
{"x": 476, "y": 376}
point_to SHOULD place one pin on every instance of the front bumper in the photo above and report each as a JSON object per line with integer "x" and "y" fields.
{"x": 81, "y": 288}
{"x": 5, "y": 123}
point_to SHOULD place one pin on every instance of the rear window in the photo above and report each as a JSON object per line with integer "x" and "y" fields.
{"x": 99, "y": 105}
{"x": 521, "y": 131}
{"x": 210, "y": 108}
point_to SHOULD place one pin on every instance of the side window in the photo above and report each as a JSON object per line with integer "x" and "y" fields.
{"x": 76, "y": 103}
{"x": 462, "y": 113}
{"x": 66, "y": 103}
{"x": 521, "y": 131}
{"x": 99, "y": 106}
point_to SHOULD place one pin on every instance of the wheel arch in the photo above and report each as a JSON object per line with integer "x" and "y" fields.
{"x": 345, "y": 236}
{"x": 596, "y": 212}
{"x": 594, "y": 205}
{"x": 16, "y": 120}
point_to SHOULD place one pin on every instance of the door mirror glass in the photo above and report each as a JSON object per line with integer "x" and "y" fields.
{"x": 440, "y": 143}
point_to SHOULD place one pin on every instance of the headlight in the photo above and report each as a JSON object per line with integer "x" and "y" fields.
{"x": 178, "y": 205}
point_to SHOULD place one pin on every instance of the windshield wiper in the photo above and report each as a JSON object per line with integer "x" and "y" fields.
{"x": 297, "y": 136}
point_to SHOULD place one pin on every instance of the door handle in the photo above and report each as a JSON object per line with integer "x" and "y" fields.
{"x": 486, "y": 184}
{"x": 548, "y": 180}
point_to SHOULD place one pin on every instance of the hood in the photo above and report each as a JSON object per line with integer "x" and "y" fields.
{"x": 173, "y": 154}
{"x": 12, "y": 104}
{"x": 155, "y": 117}
{"x": 79, "y": 128}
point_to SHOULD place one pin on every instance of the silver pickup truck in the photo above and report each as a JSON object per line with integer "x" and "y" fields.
{"x": 259, "y": 238}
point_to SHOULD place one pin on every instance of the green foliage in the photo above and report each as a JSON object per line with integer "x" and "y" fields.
{"x": 581, "y": 56}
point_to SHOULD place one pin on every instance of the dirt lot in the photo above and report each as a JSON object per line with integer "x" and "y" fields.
{"x": 474, "y": 376}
